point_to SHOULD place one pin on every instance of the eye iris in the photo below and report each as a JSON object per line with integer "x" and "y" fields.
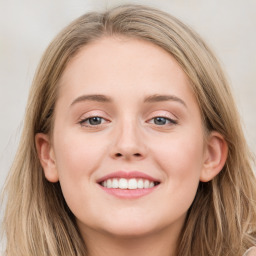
{"x": 160, "y": 120}
{"x": 95, "y": 120}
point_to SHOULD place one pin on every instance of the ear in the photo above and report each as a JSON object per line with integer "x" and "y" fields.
{"x": 46, "y": 156}
{"x": 216, "y": 152}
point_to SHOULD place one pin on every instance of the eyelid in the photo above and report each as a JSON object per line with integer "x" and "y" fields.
{"x": 173, "y": 120}
{"x": 82, "y": 122}
{"x": 99, "y": 113}
{"x": 94, "y": 113}
{"x": 91, "y": 114}
{"x": 163, "y": 113}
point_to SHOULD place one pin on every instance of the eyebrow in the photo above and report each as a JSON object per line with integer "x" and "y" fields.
{"x": 92, "y": 97}
{"x": 149, "y": 99}
{"x": 159, "y": 98}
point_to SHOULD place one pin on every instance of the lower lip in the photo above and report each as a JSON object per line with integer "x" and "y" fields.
{"x": 128, "y": 193}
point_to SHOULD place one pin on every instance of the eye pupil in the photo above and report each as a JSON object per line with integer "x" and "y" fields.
{"x": 160, "y": 120}
{"x": 95, "y": 120}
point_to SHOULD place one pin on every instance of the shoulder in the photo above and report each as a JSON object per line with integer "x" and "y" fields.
{"x": 251, "y": 252}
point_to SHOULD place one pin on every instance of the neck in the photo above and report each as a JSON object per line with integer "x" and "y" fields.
{"x": 103, "y": 244}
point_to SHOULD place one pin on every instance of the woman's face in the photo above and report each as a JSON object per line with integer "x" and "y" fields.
{"x": 126, "y": 117}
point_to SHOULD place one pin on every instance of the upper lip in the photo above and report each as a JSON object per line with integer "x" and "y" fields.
{"x": 127, "y": 175}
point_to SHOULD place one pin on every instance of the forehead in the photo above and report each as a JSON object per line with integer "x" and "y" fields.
{"x": 122, "y": 65}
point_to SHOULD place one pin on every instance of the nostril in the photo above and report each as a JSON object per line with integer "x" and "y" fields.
{"x": 136, "y": 155}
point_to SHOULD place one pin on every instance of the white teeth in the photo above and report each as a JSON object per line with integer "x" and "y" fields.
{"x": 115, "y": 183}
{"x": 109, "y": 183}
{"x": 140, "y": 183}
{"x": 128, "y": 183}
{"x": 151, "y": 184}
{"x": 146, "y": 184}
{"x": 132, "y": 184}
{"x": 123, "y": 183}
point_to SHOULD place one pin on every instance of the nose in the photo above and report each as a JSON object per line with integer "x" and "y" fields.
{"x": 128, "y": 143}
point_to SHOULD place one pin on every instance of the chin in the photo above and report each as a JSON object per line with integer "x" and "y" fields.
{"x": 132, "y": 228}
{"x": 125, "y": 231}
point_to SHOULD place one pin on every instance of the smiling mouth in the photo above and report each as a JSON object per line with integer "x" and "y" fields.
{"x": 128, "y": 184}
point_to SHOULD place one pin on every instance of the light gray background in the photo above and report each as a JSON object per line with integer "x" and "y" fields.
{"x": 27, "y": 27}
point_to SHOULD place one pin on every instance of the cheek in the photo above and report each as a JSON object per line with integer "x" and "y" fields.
{"x": 77, "y": 156}
{"x": 181, "y": 157}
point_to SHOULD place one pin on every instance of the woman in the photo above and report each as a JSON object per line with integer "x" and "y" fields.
{"x": 132, "y": 144}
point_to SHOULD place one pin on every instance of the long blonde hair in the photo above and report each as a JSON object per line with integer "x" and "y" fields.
{"x": 221, "y": 220}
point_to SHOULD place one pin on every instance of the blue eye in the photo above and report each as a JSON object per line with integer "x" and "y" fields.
{"x": 95, "y": 120}
{"x": 159, "y": 120}
{"x": 92, "y": 121}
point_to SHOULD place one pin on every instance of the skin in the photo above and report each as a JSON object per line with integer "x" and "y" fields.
{"x": 128, "y": 71}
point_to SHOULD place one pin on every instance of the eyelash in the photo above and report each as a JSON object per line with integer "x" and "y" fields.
{"x": 170, "y": 120}
{"x": 84, "y": 123}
